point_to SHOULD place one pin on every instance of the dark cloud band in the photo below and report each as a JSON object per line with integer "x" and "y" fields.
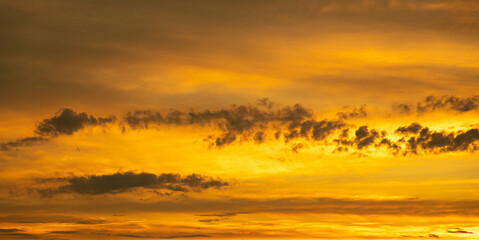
{"x": 127, "y": 181}
{"x": 295, "y": 125}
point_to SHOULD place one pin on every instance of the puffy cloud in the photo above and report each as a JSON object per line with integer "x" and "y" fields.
{"x": 364, "y": 137}
{"x": 413, "y": 128}
{"x": 439, "y": 141}
{"x": 415, "y": 139}
{"x": 65, "y": 122}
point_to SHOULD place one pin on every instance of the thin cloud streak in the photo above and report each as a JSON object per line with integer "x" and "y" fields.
{"x": 205, "y": 207}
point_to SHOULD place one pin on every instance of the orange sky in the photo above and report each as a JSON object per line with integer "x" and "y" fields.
{"x": 239, "y": 119}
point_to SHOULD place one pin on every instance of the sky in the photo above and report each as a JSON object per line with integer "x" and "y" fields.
{"x": 305, "y": 119}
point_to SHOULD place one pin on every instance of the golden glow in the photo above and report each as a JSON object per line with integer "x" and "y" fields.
{"x": 201, "y": 58}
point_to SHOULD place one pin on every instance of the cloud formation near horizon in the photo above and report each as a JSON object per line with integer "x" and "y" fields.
{"x": 266, "y": 121}
{"x": 127, "y": 181}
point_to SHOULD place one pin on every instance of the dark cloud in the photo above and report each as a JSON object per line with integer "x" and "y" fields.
{"x": 459, "y": 230}
{"x": 365, "y": 137}
{"x": 162, "y": 237}
{"x": 296, "y": 147}
{"x": 446, "y": 102}
{"x": 362, "y": 139}
{"x": 413, "y": 128}
{"x": 226, "y": 214}
{"x": 19, "y": 235}
{"x": 154, "y": 235}
{"x": 65, "y": 232}
{"x": 21, "y": 142}
{"x": 186, "y": 236}
{"x": 431, "y": 235}
{"x": 65, "y": 122}
{"x": 209, "y": 220}
{"x": 53, "y": 218}
{"x": 10, "y": 230}
{"x": 415, "y": 139}
{"x": 253, "y": 123}
{"x": 442, "y": 141}
{"x": 127, "y": 181}
{"x": 402, "y": 108}
{"x": 395, "y": 147}
{"x": 295, "y": 125}
{"x": 442, "y": 103}
{"x": 356, "y": 112}
{"x": 243, "y": 122}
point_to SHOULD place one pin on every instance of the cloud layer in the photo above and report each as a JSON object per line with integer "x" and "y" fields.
{"x": 295, "y": 124}
{"x": 127, "y": 181}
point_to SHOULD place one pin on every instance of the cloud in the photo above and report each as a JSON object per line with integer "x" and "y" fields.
{"x": 197, "y": 206}
{"x": 402, "y": 108}
{"x": 53, "y": 218}
{"x": 355, "y": 112}
{"x": 126, "y": 181}
{"x": 65, "y": 122}
{"x": 243, "y": 122}
{"x": 364, "y": 137}
{"x": 10, "y": 230}
{"x": 65, "y": 232}
{"x": 413, "y": 128}
{"x": 446, "y": 102}
{"x": 431, "y": 235}
{"x": 102, "y": 50}
{"x": 18, "y": 235}
{"x": 226, "y": 214}
{"x": 222, "y": 216}
{"x": 256, "y": 123}
{"x": 209, "y": 220}
{"x": 442, "y": 103}
{"x": 295, "y": 125}
{"x": 22, "y": 142}
{"x": 159, "y": 237}
{"x": 459, "y": 230}
{"x": 415, "y": 139}
{"x": 186, "y": 236}
{"x": 438, "y": 141}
